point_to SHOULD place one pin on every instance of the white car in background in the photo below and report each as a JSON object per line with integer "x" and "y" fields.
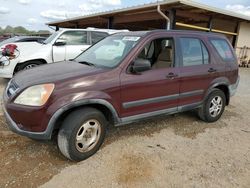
{"x": 62, "y": 45}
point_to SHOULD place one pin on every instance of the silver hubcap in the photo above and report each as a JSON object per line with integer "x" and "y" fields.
{"x": 215, "y": 106}
{"x": 30, "y": 66}
{"x": 88, "y": 135}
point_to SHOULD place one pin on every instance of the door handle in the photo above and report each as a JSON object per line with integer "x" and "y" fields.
{"x": 171, "y": 76}
{"x": 211, "y": 70}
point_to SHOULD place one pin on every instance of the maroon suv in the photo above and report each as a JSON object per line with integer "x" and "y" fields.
{"x": 124, "y": 78}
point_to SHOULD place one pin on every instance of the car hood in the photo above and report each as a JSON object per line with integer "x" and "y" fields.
{"x": 51, "y": 73}
{"x": 25, "y": 45}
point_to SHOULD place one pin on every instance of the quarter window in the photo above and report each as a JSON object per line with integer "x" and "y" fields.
{"x": 75, "y": 37}
{"x": 223, "y": 49}
{"x": 194, "y": 52}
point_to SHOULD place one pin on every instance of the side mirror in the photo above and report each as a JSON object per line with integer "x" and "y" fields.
{"x": 60, "y": 42}
{"x": 140, "y": 65}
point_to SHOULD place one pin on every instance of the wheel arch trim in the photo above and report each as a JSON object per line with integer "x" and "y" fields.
{"x": 20, "y": 63}
{"x": 79, "y": 103}
{"x": 36, "y": 59}
{"x": 215, "y": 85}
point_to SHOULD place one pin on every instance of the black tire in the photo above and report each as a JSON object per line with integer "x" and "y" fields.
{"x": 72, "y": 127}
{"x": 28, "y": 65}
{"x": 204, "y": 112}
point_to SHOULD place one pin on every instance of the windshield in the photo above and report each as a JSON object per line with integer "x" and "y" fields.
{"x": 109, "y": 52}
{"x": 51, "y": 38}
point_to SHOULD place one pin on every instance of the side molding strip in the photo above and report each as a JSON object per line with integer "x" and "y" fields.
{"x": 149, "y": 101}
{"x": 161, "y": 99}
{"x": 57, "y": 114}
{"x": 148, "y": 115}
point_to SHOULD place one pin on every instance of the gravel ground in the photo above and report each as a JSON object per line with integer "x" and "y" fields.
{"x": 174, "y": 151}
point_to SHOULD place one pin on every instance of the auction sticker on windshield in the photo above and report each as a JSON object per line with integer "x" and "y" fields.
{"x": 130, "y": 38}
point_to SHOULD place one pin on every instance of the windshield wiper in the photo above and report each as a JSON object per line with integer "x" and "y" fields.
{"x": 87, "y": 63}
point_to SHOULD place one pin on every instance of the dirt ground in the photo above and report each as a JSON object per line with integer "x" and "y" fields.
{"x": 174, "y": 151}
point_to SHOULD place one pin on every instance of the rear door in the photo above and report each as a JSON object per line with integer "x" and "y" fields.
{"x": 76, "y": 43}
{"x": 197, "y": 71}
{"x": 152, "y": 91}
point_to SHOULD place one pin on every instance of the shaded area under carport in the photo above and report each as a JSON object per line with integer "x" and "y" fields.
{"x": 183, "y": 15}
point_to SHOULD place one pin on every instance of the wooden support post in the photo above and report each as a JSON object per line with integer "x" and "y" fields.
{"x": 235, "y": 36}
{"x": 210, "y": 23}
{"x": 172, "y": 17}
{"x": 110, "y": 22}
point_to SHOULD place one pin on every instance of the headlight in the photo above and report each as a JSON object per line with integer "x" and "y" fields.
{"x": 35, "y": 95}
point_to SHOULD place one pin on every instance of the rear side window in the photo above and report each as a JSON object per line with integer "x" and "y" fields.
{"x": 194, "y": 52}
{"x": 223, "y": 49}
{"x": 97, "y": 36}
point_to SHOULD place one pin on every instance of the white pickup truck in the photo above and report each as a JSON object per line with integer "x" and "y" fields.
{"x": 62, "y": 45}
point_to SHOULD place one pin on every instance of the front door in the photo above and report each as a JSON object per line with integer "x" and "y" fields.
{"x": 76, "y": 43}
{"x": 154, "y": 90}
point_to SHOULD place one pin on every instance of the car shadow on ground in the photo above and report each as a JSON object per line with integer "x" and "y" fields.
{"x": 184, "y": 124}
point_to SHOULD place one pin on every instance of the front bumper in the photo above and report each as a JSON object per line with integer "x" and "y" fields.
{"x": 6, "y": 71}
{"x": 43, "y": 131}
{"x": 46, "y": 135}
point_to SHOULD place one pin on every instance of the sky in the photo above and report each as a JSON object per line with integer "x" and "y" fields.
{"x": 33, "y": 14}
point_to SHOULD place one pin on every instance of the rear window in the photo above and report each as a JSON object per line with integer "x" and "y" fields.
{"x": 223, "y": 49}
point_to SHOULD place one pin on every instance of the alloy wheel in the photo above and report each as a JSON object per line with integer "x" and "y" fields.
{"x": 216, "y": 106}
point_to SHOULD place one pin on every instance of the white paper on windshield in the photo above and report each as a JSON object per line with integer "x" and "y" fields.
{"x": 131, "y": 38}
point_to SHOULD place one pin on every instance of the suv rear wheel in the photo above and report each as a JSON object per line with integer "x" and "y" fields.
{"x": 213, "y": 107}
{"x": 82, "y": 133}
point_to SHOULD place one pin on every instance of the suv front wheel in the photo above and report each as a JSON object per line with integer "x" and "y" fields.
{"x": 213, "y": 107}
{"x": 82, "y": 133}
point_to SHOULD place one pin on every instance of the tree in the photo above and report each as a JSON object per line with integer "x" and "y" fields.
{"x": 20, "y": 29}
{"x": 8, "y": 30}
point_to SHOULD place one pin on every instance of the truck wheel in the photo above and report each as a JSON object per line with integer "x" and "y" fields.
{"x": 213, "y": 107}
{"x": 28, "y": 65}
{"x": 82, "y": 133}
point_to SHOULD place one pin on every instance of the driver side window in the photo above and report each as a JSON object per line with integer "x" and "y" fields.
{"x": 159, "y": 52}
{"x": 74, "y": 37}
